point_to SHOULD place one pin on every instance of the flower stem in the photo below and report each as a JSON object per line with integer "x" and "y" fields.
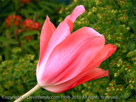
{"x": 33, "y": 90}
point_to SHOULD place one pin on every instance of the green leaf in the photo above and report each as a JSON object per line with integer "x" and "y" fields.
{"x": 126, "y": 93}
{"x": 28, "y": 49}
{"x": 131, "y": 45}
{"x": 5, "y": 41}
{"x": 29, "y": 33}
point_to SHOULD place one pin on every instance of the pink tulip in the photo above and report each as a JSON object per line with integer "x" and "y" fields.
{"x": 68, "y": 60}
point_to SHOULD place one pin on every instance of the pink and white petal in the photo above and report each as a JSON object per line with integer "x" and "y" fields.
{"x": 88, "y": 76}
{"x": 76, "y": 12}
{"x": 62, "y": 31}
{"x": 46, "y": 33}
{"x": 65, "y": 27}
{"x": 59, "y": 35}
{"x": 106, "y": 52}
{"x": 90, "y": 31}
{"x": 103, "y": 54}
{"x": 70, "y": 23}
{"x": 71, "y": 56}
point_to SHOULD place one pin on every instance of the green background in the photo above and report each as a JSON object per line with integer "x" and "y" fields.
{"x": 115, "y": 19}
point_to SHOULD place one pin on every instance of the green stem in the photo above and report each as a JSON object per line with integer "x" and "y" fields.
{"x": 33, "y": 90}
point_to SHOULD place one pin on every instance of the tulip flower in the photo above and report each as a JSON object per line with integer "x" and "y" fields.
{"x": 67, "y": 60}
{"x": 70, "y": 59}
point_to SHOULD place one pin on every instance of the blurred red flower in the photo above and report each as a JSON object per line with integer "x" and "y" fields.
{"x": 15, "y": 19}
{"x": 25, "y": 1}
{"x": 36, "y": 26}
{"x": 29, "y": 24}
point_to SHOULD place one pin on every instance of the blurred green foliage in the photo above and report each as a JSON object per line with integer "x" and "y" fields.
{"x": 115, "y": 19}
{"x": 35, "y": 10}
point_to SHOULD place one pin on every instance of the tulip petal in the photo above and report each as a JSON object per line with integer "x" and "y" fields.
{"x": 103, "y": 54}
{"x": 106, "y": 52}
{"x": 88, "y": 76}
{"x": 71, "y": 56}
{"x": 76, "y": 12}
{"x": 65, "y": 28}
{"x": 62, "y": 31}
{"x": 46, "y": 33}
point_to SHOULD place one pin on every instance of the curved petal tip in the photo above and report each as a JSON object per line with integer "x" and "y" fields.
{"x": 77, "y": 12}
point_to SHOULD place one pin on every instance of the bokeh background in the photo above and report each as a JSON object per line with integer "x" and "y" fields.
{"x": 20, "y": 25}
